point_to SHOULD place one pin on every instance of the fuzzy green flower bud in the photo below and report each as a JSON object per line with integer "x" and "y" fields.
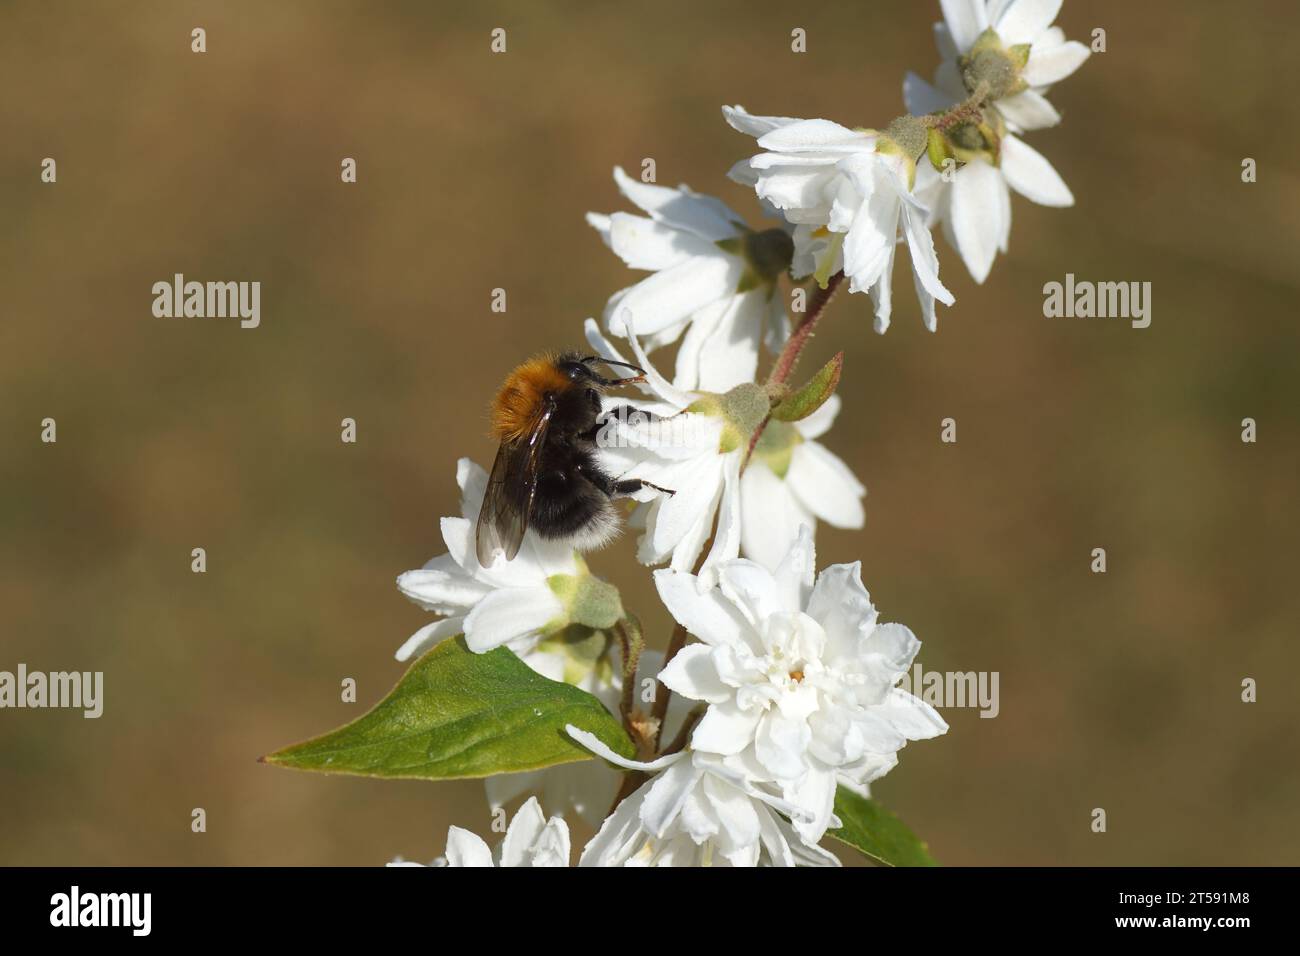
{"x": 742, "y": 410}
{"x": 992, "y": 68}
{"x": 586, "y": 599}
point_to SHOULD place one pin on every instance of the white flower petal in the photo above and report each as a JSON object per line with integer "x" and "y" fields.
{"x": 704, "y": 613}
{"x": 704, "y": 216}
{"x": 816, "y": 135}
{"x": 1055, "y": 64}
{"x": 796, "y": 571}
{"x": 692, "y": 674}
{"x": 924, "y": 261}
{"x": 511, "y": 614}
{"x": 770, "y": 515}
{"x": 667, "y": 794}
{"x": 524, "y": 829}
{"x": 977, "y": 216}
{"x": 729, "y": 355}
{"x": 442, "y": 590}
{"x": 815, "y": 794}
{"x": 618, "y": 835}
{"x": 1031, "y": 175}
{"x": 820, "y": 421}
{"x": 843, "y": 607}
{"x": 741, "y": 120}
{"x": 599, "y": 748}
{"x": 913, "y": 717}
{"x": 825, "y": 486}
{"x": 1028, "y": 110}
{"x": 725, "y": 729}
{"x": 751, "y": 587}
{"x": 643, "y": 243}
{"x": 726, "y": 535}
{"x": 895, "y": 647}
{"x": 780, "y": 744}
{"x": 669, "y": 297}
{"x": 966, "y": 20}
{"x": 1024, "y": 20}
{"x": 466, "y": 849}
{"x": 427, "y": 636}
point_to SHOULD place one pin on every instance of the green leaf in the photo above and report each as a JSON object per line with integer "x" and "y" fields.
{"x": 813, "y": 395}
{"x": 459, "y": 714}
{"x": 875, "y": 831}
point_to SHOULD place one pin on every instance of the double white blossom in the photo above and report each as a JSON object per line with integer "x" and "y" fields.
{"x": 697, "y": 811}
{"x": 531, "y": 840}
{"x": 713, "y": 279}
{"x": 849, "y": 195}
{"x": 799, "y": 677}
{"x": 973, "y": 204}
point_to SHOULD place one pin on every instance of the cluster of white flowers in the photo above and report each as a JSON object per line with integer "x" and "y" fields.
{"x": 790, "y": 681}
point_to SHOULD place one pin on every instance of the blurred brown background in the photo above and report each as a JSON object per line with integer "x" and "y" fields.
{"x": 1118, "y": 691}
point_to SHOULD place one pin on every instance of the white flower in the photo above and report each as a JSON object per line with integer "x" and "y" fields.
{"x": 513, "y": 603}
{"x": 691, "y": 447}
{"x": 974, "y": 205}
{"x": 849, "y": 194}
{"x": 530, "y": 840}
{"x": 799, "y": 678}
{"x": 696, "y": 812}
{"x": 713, "y": 278}
{"x": 1016, "y": 22}
{"x": 792, "y": 480}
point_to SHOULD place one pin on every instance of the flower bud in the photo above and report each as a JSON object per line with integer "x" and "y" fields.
{"x": 742, "y": 410}
{"x": 586, "y": 599}
{"x": 992, "y": 68}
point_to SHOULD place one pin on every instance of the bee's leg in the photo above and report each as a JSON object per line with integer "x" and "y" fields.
{"x": 615, "y": 488}
{"x": 623, "y": 413}
{"x": 630, "y": 486}
{"x": 631, "y": 413}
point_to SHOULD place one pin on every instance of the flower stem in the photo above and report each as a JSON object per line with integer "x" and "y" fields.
{"x": 628, "y": 630}
{"x": 662, "y": 694}
{"x": 789, "y": 356}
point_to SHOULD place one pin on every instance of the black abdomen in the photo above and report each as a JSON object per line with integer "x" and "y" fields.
{"x": 571, "y": 499}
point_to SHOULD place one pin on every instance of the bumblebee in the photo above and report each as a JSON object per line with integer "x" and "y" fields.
{"x": 547, "y": 475}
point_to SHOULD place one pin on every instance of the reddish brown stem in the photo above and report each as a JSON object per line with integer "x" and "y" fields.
{"x": 789, "y": 356}
{"x": 662, "y": 694}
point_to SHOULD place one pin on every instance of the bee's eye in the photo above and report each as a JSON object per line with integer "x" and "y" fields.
{"x": 575, "y": 370}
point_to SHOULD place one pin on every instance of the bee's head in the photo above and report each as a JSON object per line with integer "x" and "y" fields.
{"x": 582, "y": 370}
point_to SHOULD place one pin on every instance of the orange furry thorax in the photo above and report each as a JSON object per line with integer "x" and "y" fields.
{"x": 519, "y": 402}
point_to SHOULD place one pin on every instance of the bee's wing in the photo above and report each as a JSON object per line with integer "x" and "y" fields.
{"x": 508, "y": 501}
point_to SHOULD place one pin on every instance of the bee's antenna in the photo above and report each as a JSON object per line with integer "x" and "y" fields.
{"x": 605, "y": 361}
